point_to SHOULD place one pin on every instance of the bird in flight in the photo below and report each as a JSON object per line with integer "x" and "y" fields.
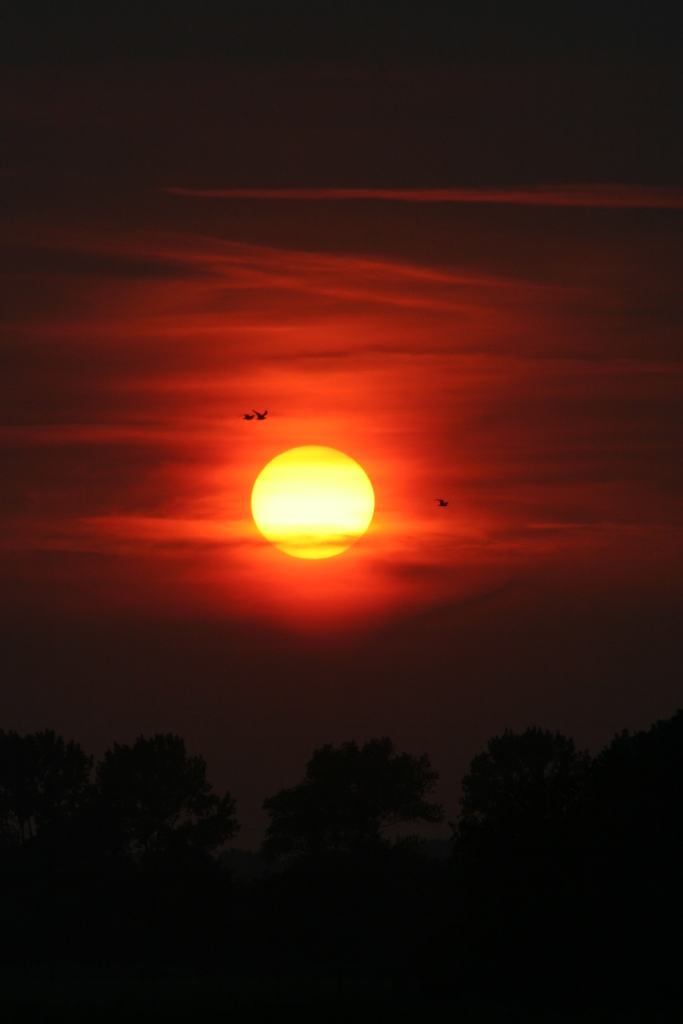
{"x": 441, "y": 502}
{"x": 260, "y": 415}
{"x": 247, "y": 416}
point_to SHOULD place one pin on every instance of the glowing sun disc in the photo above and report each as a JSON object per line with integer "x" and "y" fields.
{"x": 312, "y": 502}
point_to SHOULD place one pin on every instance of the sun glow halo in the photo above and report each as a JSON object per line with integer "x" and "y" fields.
{"x": 312, "y": 502}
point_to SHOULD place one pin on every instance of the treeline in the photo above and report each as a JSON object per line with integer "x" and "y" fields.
{"x": 564, "y": 887}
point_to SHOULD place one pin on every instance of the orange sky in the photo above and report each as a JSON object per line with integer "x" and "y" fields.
{"x": 531, "y": 400}
{"x": 518, "y": 357}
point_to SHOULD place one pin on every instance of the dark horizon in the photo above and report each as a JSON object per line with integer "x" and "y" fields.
{"x": 559, "y": 893}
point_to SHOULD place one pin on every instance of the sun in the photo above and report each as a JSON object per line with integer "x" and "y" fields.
{"x": 312, "y": 502}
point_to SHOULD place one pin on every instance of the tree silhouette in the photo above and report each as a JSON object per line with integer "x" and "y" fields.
{"x": 43, "y": 781}
{"x": 632, "y": 840}
{"x": 154, "y": 798}
{"x": 350, "y": 795}
{"x": 520, "y": 790}
{"x": 638, "y": 788}
{"x": 514, "y": 910}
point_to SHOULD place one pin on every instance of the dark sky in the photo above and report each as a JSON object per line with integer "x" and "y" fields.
{"x": 448, "y": 244}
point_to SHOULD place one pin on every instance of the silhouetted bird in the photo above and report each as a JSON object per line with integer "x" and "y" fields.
{"x": 247, "y": 416}
{"x": 261, "y": 415}
{"x": 441, "y": 502}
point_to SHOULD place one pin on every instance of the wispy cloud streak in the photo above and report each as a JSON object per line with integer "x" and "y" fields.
{"x": 614, "y": 196}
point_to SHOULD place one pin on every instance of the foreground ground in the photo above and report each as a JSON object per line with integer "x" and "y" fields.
{"x": 330, "y": 998}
